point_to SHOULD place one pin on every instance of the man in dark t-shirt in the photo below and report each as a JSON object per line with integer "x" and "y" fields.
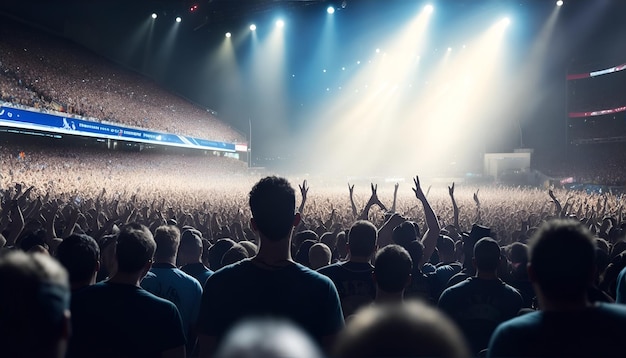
{"x": 353, "y": 278}
{"x": 480, "y": 303}
{"x": 271, "y": 283}
{"x": 561, "y": 268}
{"x": 117, "y": 318}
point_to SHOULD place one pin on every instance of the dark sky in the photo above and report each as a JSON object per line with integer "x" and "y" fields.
{"x": 590, "y": 34}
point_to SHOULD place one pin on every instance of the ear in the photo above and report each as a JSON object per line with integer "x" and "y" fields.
{"x": 296, "y": 219}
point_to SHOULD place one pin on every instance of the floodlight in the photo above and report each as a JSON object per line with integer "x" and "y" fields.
{"x": 253, "y": 27}
{"x": 559, "y": 3}
{"x": 178, "y": 19}
{"x": 429, "y": 9}
{"x": 228, "y": 35}
{"x": 280, "y": 24}
{"x": 154, "y": 15}
{"x": 330, "y": 10}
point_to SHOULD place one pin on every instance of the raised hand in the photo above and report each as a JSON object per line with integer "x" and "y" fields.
{"x": 451, "y": 190}
{"x": 351, "y": 189}
{"x": 419, "y": 193}
{"x": 476, "y": 200}
{"x": 304, "y": 189}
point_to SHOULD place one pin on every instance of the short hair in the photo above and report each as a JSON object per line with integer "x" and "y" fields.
{"x": 250, "y": 247}
{"x": 217, "y": 251}
{"x": 235, "y": 254}
{"x": 487, "y": 254}
{"x": 518, "y": 253}
{"x": 392, "y": 268}
{"x": 362, "y": 238}
{"x": 445, "y": 245}
{"x": 33, "y": 305}
{"x": 411, "y": 329}
{"x": 562, "y": 256}
{"x": 319, "y": 255}
{"x": 135, "y": 246}
{"x": 302, "y": 236}
{"x": 190, "y": 243}
{"x": 416, "y": 251}
{"x": 167, "y": 238}
{"x": 404, "y": 233}
{"x": 273, "y": 205}
{"x": 79, "y": 254}
{"x": 302, "y": 255}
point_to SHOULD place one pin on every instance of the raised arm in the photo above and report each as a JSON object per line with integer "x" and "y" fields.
{"x": 395, "y": 197}
{"x": 429, "y": 240}
{"x": 455, "y": 208}
{"x": 355, "y": 212}
{"x": 477, "y": 201}
{"x": 304, "y": 190}
{"x": 558, "y": 207}
{"x": 373, "y": 200}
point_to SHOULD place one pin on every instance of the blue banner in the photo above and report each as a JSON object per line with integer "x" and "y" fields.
{"x": 22, "y": 118}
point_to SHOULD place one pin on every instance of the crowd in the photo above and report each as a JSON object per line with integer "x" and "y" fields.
{"x": 39, "y": 70}
{"x": 190, "y": 228}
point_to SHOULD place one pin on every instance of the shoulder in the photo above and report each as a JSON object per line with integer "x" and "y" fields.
{"x": 330, "y": 269}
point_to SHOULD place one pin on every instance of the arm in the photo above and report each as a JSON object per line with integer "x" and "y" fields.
{"x": 478, "y": 219}
{"x": 455, "y": 208}
{"x": 395, "y": 197}
{"x": 304, "y": 189}
{"x": 373, "y": 200}
{"x": 558, "y": 207}
{"x": 354, "y": 210}
{"x": 429, "y": 240}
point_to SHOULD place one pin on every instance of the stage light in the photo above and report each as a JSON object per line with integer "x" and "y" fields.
{"x": 280, "y": 24}
{"x": 377, "y": 50}
{"x": 324, "y": 70}
{"x": 330, "y": 10}
{"x": 253, "y": 27}
{"x": 505, "y": 22}
{"x": 449, "y": 49}
{"x": 559, "y": 3}
{"x": 154, "y": 15}
{"x": 228, "y": 34}
{"x": 343, "y": 68}
{"x": 178, "y": 19}
{"x": 429, "y": 9}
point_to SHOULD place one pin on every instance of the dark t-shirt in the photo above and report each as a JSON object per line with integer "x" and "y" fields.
{"x": 354, "y": 283}
{"x": 421, "y": 287}
{"x": 295, "y": 292}
{"x": 596, "y": 331}
{"x": 197, "y": 271}
{"x": 478, "y": 306}
{"x": 117, "y": 320}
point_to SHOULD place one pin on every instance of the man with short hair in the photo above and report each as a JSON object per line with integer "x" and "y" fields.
{"x": 319, "y": 256}
{"x": 80, "y": 255}
{"x": 271, "y": 283}
{"x": 190, "y": 257}
{"x": 118, "y": 318}
{"x": 353, "y": 278}
{"x": 480, "y": 303}
{"x": 166, "y": 281}
{"x": 561, "y": 268}
{"x": 34, "y": 306}
{"x": 392, "y": 273}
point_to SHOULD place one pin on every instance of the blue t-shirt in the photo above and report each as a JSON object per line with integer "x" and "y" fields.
{"x": 166, "y": 281}
{"x": 118, "y": 320}
{"x": 294, "y": 292}
{"x": 621, "y": 287}
{"x": 595, "y": 331}
{"x": 198, "y": 271}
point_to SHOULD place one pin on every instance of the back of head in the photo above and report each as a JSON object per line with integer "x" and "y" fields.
{"x": 34, "y": 316}
{"x": 217, "y": 251}
{"x": 416, "y": 251}
{"x": 319, "y": 256}
{"x": 404, "y": 233}
{"x": 167, "y": 238}
{"x": 273, "y": 205}
{"x": 302, "y": 255}
{"x": 267, "y": 338}
{"x": 79, "y": 254}
{"x": 190, "y": 248}
{"x": 562, "y": 259}
{"x": 519, "y": 253}
{"x": 445, "y": 245}
{"x": 250, "y": 247}
{"x": 235, "y": 254}
{"x": 392, "y": 268}
{"x": 411, "y": 329}
{"x": 362, "y": 239}
{"x": 302, "y": 236}
{"x": 487, "y": 255}
{"x": 135, "y": 247}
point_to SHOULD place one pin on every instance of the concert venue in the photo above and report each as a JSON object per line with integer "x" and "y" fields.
{"x": 497, "y": 114}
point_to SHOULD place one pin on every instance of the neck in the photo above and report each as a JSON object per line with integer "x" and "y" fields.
{"x": 389, "y": 297}
{"x": 551, "y": 305}
{"x": 186, "y": 260}
{"x": 487, "y": 275}
{"x": 274, "y": 252}
{"x": 128, "y": 278}
{"x": 166, "y": 260}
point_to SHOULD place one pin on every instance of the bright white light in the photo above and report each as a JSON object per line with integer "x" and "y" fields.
{"x": 330, "y": 10}
{"x": 449, "y": 49}
{"x": 358, "y": 62}
{"x": 377, "y": 50}
{"x": 559, "y": 3}
{"x": 429, "y": 9}
{"x": 343, "y": 68}
{"x": 228, "y": 34}
{"x": 178, "y": 19}
{"x": 506, "y": 21}
{"x": 154, "y": 15}
{"x": 324, "y": 70}
{"x": 280, "y": 24}
{"x": 253, "y": 27}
